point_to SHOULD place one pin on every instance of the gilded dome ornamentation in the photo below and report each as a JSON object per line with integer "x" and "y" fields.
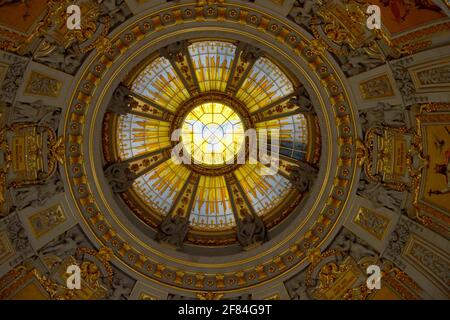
{"x": 224, "y": 149}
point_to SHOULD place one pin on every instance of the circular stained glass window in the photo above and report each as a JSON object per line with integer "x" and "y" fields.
{"x": 212, "y": 121}
{"x": 213, "y": 134}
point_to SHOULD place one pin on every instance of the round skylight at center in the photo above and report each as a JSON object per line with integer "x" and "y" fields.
{"x": 213, "y": 134}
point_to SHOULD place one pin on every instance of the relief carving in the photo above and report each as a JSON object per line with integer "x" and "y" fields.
{"x": 380, "y": 196}
{"x": 302, "y": 175}
{"x": 120, "y": 177}
{"x": 439, "y": 75}
{"x": 13, "y": 78}
{"x": 173, "y": 230}
{"x": 122, "y": 101}
{"x": 38, "y": 113}
{"x": 383, "y": 114}
{"x": 36, "y": 195}
{"x": 43, "y": 85}
{"x": 250, "y": 230}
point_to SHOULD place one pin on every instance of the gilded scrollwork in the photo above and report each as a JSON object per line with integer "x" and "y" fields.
{"x": 340, "y": 273}
{"x": 341, "y": 28}
{"x": 30, "y": 153}
{"x": 36, "y": 153}
{"x": 98, "y": 278}
{"x": 383, "y": 168}
{"x": 371, "y": 221}
{"x": 427, "y": 163}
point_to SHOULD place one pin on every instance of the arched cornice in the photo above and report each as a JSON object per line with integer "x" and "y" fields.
{"x": 315, "y": 223}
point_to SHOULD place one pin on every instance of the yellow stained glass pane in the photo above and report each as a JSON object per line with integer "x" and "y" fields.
{"x": 212, "y": 63}
{"x": 212, "y": 134}
{"x": 265, "y": 84}
{"x": 212, "y": 207}
{"x": 159, "y": 187}
{"x": 264, "y": 192}
{"x": 138, "y": 135}
{"x": 160, "y": 83}
{"x": 293, "y": 134}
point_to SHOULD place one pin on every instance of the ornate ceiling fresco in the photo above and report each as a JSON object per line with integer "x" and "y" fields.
{"x": 128, "y": 149}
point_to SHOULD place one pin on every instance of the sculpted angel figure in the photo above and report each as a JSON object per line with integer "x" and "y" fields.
{"x": 349, "y": 244}
{"x": 251, "y": 230}
{"x": 65, "y": 245}
{"x": 173, "y": 230}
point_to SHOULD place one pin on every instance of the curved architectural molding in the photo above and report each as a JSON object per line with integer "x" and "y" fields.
{"x": 368, "y": 185}
{"x": 325, "y": 207}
